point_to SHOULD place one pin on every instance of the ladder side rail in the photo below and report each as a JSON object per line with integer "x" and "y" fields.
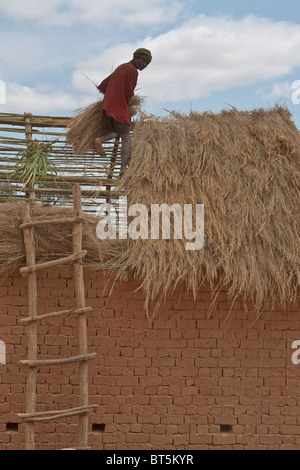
{"x": 32, "y": 329}
{"x": 82, "y": 319}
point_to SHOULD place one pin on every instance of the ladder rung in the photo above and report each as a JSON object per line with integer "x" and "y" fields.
{"x": 78, "y": 448}
{"x": 52, "y": 415}
{"x": 50, "y": 264}
{"x": 38, "y": 223}
{"x": 59, "y": 362}
{"x": 77, "y": 311}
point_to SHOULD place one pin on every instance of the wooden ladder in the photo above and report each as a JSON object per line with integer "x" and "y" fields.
{"x": 31, "y": 416}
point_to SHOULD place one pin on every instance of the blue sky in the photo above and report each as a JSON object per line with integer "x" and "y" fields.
{"x": 207, "y": 55}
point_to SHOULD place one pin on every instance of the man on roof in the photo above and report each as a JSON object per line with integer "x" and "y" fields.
{"x": 118, "y": 88}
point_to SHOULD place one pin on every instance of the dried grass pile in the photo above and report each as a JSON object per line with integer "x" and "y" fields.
{"x": 245, "y": 168}
{"x": 89, "y": 123}
{"x": 49, "y": 241}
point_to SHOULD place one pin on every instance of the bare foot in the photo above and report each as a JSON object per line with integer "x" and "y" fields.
{"x": 98, "y": 147}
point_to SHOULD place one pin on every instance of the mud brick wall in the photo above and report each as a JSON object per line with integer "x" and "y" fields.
{"x": 186, "y": 382}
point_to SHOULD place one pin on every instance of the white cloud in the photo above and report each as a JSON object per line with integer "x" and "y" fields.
{"x": 134, "y": 12}
{"x": 278, "y": 91}
{"x": 214, "y": 54}
{"x": 42, "y": 99}
{"x": 192, "y": 60}
{"x": 207, "y": 54}
{"x": 69, "y": 12}
{"x": 29, "y": 9}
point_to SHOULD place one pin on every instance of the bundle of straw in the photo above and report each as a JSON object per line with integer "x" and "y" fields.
{"x": 89, "y": 123}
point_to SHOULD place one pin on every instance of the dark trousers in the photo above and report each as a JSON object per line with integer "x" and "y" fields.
{"x": 122, "y": 130}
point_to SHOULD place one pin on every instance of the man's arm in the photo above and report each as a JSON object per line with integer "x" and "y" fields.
{"x": 103, "y": 85}
{"x": 130, "y": 83}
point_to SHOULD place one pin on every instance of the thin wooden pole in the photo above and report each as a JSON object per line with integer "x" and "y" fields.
{"x": 30, "y": 193}
{"x": 55, "y": 262}
{"x": 82, "y": 320}
{"x": 50, "y": 415}
{"x": 32, "y": 330}
{"x": 56, "y": 314}
{"x": 59, "y": 362}
{"x": 112, "y": 165}
{"x": 28, "y": 127}
{"x": 39, "y": 223}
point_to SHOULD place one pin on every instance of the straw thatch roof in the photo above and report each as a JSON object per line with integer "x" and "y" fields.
{"x": 243, "y": 166}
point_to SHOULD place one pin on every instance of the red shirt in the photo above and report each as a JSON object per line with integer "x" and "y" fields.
{"x": 118, "y": 88}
